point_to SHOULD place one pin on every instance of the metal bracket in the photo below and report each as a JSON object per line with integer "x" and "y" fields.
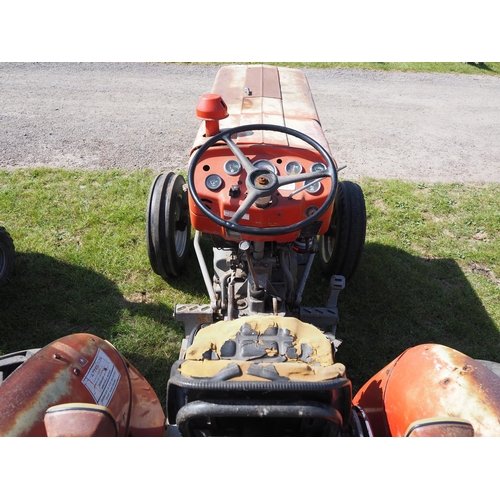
{"x": 193, "y": 315}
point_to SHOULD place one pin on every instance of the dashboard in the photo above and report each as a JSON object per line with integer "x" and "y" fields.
{"x": 220, "y": 182}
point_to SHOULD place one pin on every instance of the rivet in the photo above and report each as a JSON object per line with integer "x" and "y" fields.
{"x": 76, "y": 371}
{"x": 445, "y": 382}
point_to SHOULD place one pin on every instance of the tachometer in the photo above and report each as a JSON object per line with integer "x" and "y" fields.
{"x": 266, "y": 164}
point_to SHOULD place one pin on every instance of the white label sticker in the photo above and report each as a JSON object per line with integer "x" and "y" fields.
{"x": 102, "y": 378}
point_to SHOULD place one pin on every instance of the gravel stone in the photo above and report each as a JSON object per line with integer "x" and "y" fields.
{"x": 424, "y": 127}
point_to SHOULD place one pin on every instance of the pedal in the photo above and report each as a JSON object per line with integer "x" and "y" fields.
{"x": 326, "y": 318}
{"x": 322, "y": 317}
{"x": 337, "y": 284}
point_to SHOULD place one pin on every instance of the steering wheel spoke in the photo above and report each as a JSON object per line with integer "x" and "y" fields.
{"x": 245, "y": 162}
{"x": 244, "y": 207}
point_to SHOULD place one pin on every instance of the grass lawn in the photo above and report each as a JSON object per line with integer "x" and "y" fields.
{"x": 430, "y": 271}
{"x": 472, "y": 68}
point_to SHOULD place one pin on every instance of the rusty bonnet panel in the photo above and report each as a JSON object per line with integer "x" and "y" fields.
{"x": 270, "y": 95}
{"x": 77, "y": 368}
{"x": 432, "y": 380}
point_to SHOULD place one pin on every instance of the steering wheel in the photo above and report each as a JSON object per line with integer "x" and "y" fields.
{"x": 260, "y": 182}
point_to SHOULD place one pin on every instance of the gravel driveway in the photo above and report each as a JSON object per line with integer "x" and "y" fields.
{"x": 415, "y": 126}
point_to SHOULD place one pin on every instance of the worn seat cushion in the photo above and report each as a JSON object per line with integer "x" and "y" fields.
{"x": 295, "y": 350}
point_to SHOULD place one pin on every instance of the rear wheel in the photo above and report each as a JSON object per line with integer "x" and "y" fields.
{"x": 168, "y": 227}
{"x": 340, "y": 248}
{"x": 7, "y": 252}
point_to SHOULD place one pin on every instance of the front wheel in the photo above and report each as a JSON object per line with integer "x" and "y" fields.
{"x": 7, "y": 253}
{"x": 168, "y": 226}
{"x": 340, "y": 248}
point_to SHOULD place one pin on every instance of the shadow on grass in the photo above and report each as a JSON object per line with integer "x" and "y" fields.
{"x": 190, "y": 282}
{"x": 47, "y": 299}
{"x": 481, "y": 65}
{"x": 397, "y": 300}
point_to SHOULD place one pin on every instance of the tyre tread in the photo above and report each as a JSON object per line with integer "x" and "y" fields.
{"x": 8, "y": 255}
{"x": 351, "y": 212}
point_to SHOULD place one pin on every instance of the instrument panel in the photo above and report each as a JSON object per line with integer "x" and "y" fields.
{"x": 220, "y": 181}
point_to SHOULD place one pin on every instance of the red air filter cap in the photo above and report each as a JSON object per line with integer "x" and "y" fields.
{"x": 211, "y": 107}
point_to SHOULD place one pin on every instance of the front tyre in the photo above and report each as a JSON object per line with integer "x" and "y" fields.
{"x": 7, "y": 253}
{"x": 340, "y": 248}
{"x": 168, "y": 226}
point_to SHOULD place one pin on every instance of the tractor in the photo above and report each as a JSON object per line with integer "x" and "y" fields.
{"x": 262, "y": 190}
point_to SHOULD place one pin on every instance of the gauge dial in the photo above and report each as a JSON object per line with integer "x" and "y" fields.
{"x": 293, "y": 167}
{"x": 314, "y": 186}
{"x": 213, "y": 182}
{"x": 266, "y": 164}
{"x": 318, "y": 167}
{"x": 232, "y": 167}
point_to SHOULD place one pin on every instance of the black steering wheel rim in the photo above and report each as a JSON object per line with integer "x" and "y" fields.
{"x": 224, "y": 135}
